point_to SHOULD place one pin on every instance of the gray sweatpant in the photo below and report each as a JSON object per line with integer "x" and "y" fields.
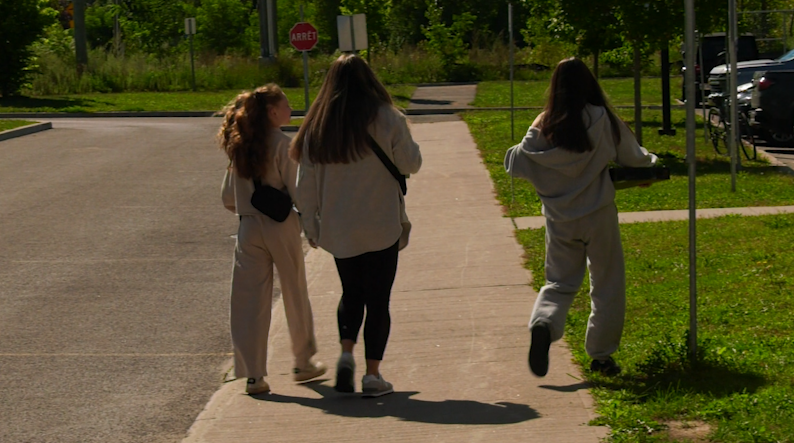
{"x": 594, "y": 241}
{"x": 262, "y": 243}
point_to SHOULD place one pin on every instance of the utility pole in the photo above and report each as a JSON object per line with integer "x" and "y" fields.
{"x": 267, "y": 30}
{"x": 80, "y": 45}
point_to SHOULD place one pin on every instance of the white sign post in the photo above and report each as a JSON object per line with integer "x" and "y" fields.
{"x": 352, "y": 30}
{"x": 190, "y": 31}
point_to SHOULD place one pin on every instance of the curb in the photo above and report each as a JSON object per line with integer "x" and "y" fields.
{"x": 537, "y": 222}
{"x": 25, "y": 130}
{"x": 295, "y": 113}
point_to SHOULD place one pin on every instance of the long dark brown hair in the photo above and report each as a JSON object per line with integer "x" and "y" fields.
{"x": 245, "y": 129}
{"x": 337, "y": 121}
{"x": 572, "y": 87}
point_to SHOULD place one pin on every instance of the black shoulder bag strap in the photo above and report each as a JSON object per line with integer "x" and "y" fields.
{"x": 388, "y": 164}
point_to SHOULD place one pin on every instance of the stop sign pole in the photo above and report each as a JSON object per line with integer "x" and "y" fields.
{"x": 303, "y": 37}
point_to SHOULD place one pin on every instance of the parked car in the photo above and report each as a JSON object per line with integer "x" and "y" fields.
{"x": 718, "y": 76}
{"x": 772, "y": 105}
{"x": 714, "y": 47}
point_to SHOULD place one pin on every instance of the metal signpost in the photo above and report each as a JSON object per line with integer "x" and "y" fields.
{"x": 689, "y": 78}
{"x": 303, "y": 37}
{"x": 512, "y": 102}
{"x": 190, "y": 31}
{"x": 733, "y": 137}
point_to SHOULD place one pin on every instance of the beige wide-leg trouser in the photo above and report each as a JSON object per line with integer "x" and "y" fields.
{"x": 262, "y": 243}
{"x": 592, "y": 241}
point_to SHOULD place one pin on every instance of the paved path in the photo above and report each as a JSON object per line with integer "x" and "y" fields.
{"x": 653, "y": 216}
{"x": 458, "y": 348}
{"x": 114, "y": 280}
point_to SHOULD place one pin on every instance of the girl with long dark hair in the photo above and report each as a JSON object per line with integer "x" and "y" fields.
{"x": 258, "y": 151}
{"x": 566, "y": 154}
{"x": 353, "y": 207}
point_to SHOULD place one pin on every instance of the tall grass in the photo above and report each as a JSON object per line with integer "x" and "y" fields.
{"x": 56, "y": 71}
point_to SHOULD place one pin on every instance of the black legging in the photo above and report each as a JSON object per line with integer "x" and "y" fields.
{"x": 366, "y": 282}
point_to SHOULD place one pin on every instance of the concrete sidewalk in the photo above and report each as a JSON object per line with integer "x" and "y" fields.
{"x": 458, "y": 347}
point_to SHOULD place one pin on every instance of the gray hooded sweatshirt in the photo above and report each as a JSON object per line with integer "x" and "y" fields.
{"x": 570, "y": 184}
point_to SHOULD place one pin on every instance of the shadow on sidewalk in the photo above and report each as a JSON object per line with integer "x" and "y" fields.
{"x": 428, "y": 101}
{"x": 400, "y": 405}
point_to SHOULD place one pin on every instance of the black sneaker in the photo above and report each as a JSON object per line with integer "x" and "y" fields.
{"x": 539, "y": 350}
{"x": 606, "y": 367}
{"x": 345, "y": 368}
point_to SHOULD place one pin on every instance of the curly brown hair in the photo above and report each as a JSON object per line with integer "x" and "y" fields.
{"x": 245, "y": 130}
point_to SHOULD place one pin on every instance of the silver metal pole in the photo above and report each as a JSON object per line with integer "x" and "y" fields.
{"x": 512, "y": 97}
{"x": 702, "y": 91}
{"x": 264, "y": 45}
{"x": 733, "y": 147}
{"x": 305, "y": 75}
{"x": 80, "y": 39}
{"x": 192, "y": 65}
{"x": 271, "y": 28}
{"x": 689, "y": 78}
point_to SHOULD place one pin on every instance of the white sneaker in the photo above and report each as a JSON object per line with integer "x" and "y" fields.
{"x": 375, "y": 386}
{"x": 256, "y": 386}
{"x": 308, "y": 372}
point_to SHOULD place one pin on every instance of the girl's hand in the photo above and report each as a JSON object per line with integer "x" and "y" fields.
{"x": 312, "y": 244}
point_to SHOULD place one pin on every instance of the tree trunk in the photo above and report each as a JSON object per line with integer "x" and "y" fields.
{"x": 637, "y": 94}
{"x": 595, "y": 62}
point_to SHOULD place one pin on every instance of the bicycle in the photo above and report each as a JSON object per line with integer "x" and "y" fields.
{"x": 718, "y": 125}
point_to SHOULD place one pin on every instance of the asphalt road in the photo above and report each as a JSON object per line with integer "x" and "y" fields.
{"x": 115, "y": 258}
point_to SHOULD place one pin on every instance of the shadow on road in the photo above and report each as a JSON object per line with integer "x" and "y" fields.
{"x": 402, "y": 406}
{"x": 50, "y": 104}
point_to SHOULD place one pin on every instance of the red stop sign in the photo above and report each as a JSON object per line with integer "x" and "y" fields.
{"x": 303, "y": 36}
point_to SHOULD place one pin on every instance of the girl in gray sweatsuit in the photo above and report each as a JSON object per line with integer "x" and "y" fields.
{"x": 565, "y": 155}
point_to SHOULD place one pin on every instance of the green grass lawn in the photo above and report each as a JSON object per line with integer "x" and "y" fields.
{"x": 758, "y": 184}
{"x": 742, "y": 384}
{"x": 533, "y": 93}
{"x": 161, "y": 101}
{"x": 5, "y": 125}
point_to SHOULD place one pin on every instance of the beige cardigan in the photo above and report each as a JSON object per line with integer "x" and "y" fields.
{"x": 280, "y": 173}
{"x": 351, "y": 209}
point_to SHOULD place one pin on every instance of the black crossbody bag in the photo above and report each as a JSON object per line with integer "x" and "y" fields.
{"x": 270, "y": 201}
{"x": 388, "y": 164}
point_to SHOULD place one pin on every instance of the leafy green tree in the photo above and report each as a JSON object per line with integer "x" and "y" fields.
{"x": 405, "y": 21}
{"x": 377, "y": 13}
{"x": 222, "y": 25}
{"x": 596, "y": 29}
{"x": 153, "y": 26}
{"x": 447, "y": 41}
{"x": 325, "y": 17}
{"x": 100, "y": 18}
{"x": 22, "y": 22}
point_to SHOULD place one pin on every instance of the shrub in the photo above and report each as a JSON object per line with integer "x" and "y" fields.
{"x": 22, "y": 22}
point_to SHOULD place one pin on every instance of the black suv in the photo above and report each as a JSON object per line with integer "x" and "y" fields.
{"x": 714, "y": 49}
{"x": 772, "y": 106}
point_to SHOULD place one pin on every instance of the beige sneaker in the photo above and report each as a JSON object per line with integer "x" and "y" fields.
{"x": 256, "y": 386}
{"x": 375, "y": 386}
{"x": 308, "y": 372}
